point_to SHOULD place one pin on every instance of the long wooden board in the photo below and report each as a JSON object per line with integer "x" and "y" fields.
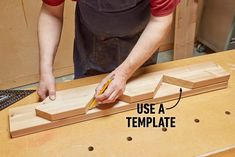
{"x": 72, "y": 102}
{"x": 23, "y": 120}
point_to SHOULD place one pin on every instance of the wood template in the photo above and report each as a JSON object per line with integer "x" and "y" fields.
{"x": 70, "y": 105}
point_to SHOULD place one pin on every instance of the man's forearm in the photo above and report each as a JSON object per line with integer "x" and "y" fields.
{"x": 148, "y": 43}
{"x": 49, "y": 31}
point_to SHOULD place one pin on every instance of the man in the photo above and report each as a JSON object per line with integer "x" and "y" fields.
{"x": 116, "y": 36}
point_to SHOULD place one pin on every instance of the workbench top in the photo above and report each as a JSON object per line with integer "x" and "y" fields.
{"x": 108, "y": 135}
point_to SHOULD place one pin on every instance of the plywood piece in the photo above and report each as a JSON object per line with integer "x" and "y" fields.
{"x": 199, "y": 75}
{"x": 68, "y": 103}
{"x": 23, "y": 120}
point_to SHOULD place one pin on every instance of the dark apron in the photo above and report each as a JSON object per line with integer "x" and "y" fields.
{"x": 105, "y": 33}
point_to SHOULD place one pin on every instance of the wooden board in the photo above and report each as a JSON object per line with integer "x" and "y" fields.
{"x": 142, "y": 87}
{"x": 68, "y": 103}
{"x": 198, "y": 75}
{"x": 74, "y": 101}
{"x": 23, "y": 120}
{"x": 192, "y": 76}
{"x": 185, "y": 29}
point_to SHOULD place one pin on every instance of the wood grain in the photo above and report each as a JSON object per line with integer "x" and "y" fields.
{"x": 68, "y": 103}
{"x": 23, "y": 120}
{"x": 72, "y": 102}
{"x": 198, "y": 75}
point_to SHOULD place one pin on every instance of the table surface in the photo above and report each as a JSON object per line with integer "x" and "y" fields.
{"x": 108, "y": 135}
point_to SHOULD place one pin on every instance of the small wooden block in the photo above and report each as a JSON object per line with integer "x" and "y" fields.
{"x": 198, "y": 75}
{"x": 142, "y": 88}
{"x": 68, "y": 103}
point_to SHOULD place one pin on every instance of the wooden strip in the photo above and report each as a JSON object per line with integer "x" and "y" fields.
{"x": 23, "y": 120}
{"x": 68, "y": 103}
{"x": 197, "y": 75}
{"x": 26, "y": 122}
{"x": 142, "y": 88}
{"x": 185, "y": 27}
{"x": 73, "y": 101}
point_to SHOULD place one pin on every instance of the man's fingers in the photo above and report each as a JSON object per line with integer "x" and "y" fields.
{"x": 112, "y": 98}
{"x": 52, "y": 94}
{"x": 42, "y": 94}
{"x": 106, "y": 94}
{"x": 100, "y": 86}
{"x": 104, "y": 81}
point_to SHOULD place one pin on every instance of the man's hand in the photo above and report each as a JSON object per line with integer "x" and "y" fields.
{"x": 115, "y": 88}
{"x": 47, "y": 87}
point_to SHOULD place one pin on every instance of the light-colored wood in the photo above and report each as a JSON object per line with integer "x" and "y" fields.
{"x": 185, "y": 28}
{"x": 25, "y": 121}
{"x": 148, "y": 87}
{"x": 142, "y": 87}
{"x": 214, "y": 131}
{"x": 74, "y": 101}
{"x": 193, "y": 76}
{"x": 169, "y": 92}
{"x": 199, "y": 75}
{"x": 68, "y": 103}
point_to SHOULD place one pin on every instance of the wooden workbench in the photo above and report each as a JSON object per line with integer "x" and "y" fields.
{"x": 108, "y": 135}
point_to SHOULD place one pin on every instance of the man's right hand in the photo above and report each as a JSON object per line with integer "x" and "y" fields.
{"x": 47, "y": 87}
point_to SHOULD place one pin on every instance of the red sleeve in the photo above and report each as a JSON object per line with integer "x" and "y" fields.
{"x": 53, "y": 2}
{"x": 163, "y": 7}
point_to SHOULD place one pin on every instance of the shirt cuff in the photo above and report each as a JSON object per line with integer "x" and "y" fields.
{"x": 164, "y": 10}
{"x": 53, "y": 2}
